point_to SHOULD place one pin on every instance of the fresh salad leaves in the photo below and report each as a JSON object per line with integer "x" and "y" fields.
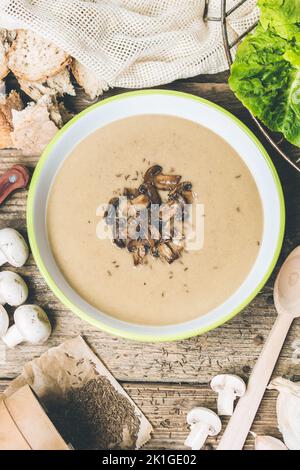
{"x": 265, "y": 75}
{"x": 281, "y": 16}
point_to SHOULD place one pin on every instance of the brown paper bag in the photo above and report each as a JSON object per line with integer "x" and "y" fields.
{"x": 24, "y": 425}
{"x": 84, "y": 401}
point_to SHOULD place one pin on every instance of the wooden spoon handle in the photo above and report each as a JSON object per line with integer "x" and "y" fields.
{"x": 240, "y": 423}
{"x": 16, "y": 177}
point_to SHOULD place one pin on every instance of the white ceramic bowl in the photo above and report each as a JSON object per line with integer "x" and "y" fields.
{"x": 164, "y": 103}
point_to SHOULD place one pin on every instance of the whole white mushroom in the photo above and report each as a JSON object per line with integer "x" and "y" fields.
{"x": 228, "y": 387}
{"x": 4, "y": 321}
{"x": 203, "y": 423}
{"x": 13, "y": 290}
{"x": 31, "y": 325}
{"x": 13, "y": 248}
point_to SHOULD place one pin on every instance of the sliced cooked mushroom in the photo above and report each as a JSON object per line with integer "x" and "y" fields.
{"x": 152, "y": 172}
{"x": 119, "y": 242}
{"x": 178, "y": 230}
{"x": 154, "y": 230}
{"x": 139, "y": 221}
{"x": 154, "y": 250}
{"x": 150, "y": 190}
{"x": 120, "y": 232}
{"x": 137, "y": 204}
{"x": 122, "y": 209}
{"x": 166, "y": 182}
{"x": 114, "y": 202}
{"x": 130, "y": 193}
{"x": 139, "y": 250}
{"x": 148, "y": 187}
{"x": 165, "y": 253}
{"x": 132, "y": 228}
{"x": 177, "y": 246}
{"x": 141, "y": 200}
{"x": 111, "y": 211}
{"x": 171, "y": 209}
{"x": 184, "y": 190}
{"x": 167, "y": 229}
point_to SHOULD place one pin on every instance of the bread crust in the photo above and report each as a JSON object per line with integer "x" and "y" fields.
{"x": 3, "y": 62}
{"x": 88, "y": 80}
{"x": 76, "y": 72}
{"x": 5, "y": 133}
{"x": 58, "y": 85}
{"x": 59, "y": 60}
{"x": 7, "y": 104}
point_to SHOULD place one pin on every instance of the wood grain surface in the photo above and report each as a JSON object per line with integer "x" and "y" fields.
{"x": 166, "y": 380}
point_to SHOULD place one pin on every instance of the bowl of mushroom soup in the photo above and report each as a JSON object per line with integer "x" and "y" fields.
{"x": 155, "y": 215}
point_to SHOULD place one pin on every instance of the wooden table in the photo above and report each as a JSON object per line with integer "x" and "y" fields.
{"x": 166, "y": 380}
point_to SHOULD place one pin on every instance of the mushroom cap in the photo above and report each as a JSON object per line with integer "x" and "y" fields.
{"x": 206, "y": 416}
{"x": 13, "y": 290}
{"x": 32, "y": 323}
{"x": 14, "y": 247}
{"x": 4, "y": 321}
{"x": 228, "y": 381}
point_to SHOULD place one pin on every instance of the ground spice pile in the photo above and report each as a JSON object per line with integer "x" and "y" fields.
{"x": 97, "y": 416}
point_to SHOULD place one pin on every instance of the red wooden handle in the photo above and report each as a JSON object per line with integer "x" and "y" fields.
{"x": 16, "y": 177}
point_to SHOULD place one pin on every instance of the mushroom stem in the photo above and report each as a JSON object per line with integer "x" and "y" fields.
{"x": 226, "y": 400}
{"x": 198, "y": 435}
{"x": 13, "y": 337}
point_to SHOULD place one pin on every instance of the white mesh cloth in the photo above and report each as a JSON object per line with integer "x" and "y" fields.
{"x": 133, "y": 43}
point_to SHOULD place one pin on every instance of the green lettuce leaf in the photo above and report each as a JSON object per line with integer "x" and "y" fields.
{"x": 281, "y": 16}
{"x": 265, "y": 75}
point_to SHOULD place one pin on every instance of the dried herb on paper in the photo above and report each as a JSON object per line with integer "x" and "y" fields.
{"x": 97, "y": 416}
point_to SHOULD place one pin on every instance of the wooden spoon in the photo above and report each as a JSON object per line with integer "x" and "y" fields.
{"x": 16, "y": 177}
{"x": 287, "y": 303}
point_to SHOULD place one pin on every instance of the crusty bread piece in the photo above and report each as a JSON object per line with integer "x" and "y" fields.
{"x": 61, "y": 83}
{"x": 6, "y": 39}
{"x": 7, "y": 104}
{"x": 58, "y": 85}
{"x": 32, "y": 128}
{"x": 88, "y": 80}
{"x": 57, "y": 111}
{"x": 7, "y": 36}
{"x": 5, "y": 130}
{"x": 3, "y": 55}
{"x": 2, "y": 88}
{"x": 33, "y": 58}
{"x": 3, "y": 62}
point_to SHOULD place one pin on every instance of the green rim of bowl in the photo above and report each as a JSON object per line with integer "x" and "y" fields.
{"x": 102, "y": 326}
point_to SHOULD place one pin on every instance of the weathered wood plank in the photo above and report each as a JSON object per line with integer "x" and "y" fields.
{"x": 166, "y": 407}
{"x": 232, "y": 348}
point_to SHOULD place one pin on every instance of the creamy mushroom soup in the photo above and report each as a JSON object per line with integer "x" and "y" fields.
{"x": 155, "y": 292}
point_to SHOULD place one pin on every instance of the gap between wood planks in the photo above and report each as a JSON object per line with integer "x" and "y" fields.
{"x": 153, "y": 372}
